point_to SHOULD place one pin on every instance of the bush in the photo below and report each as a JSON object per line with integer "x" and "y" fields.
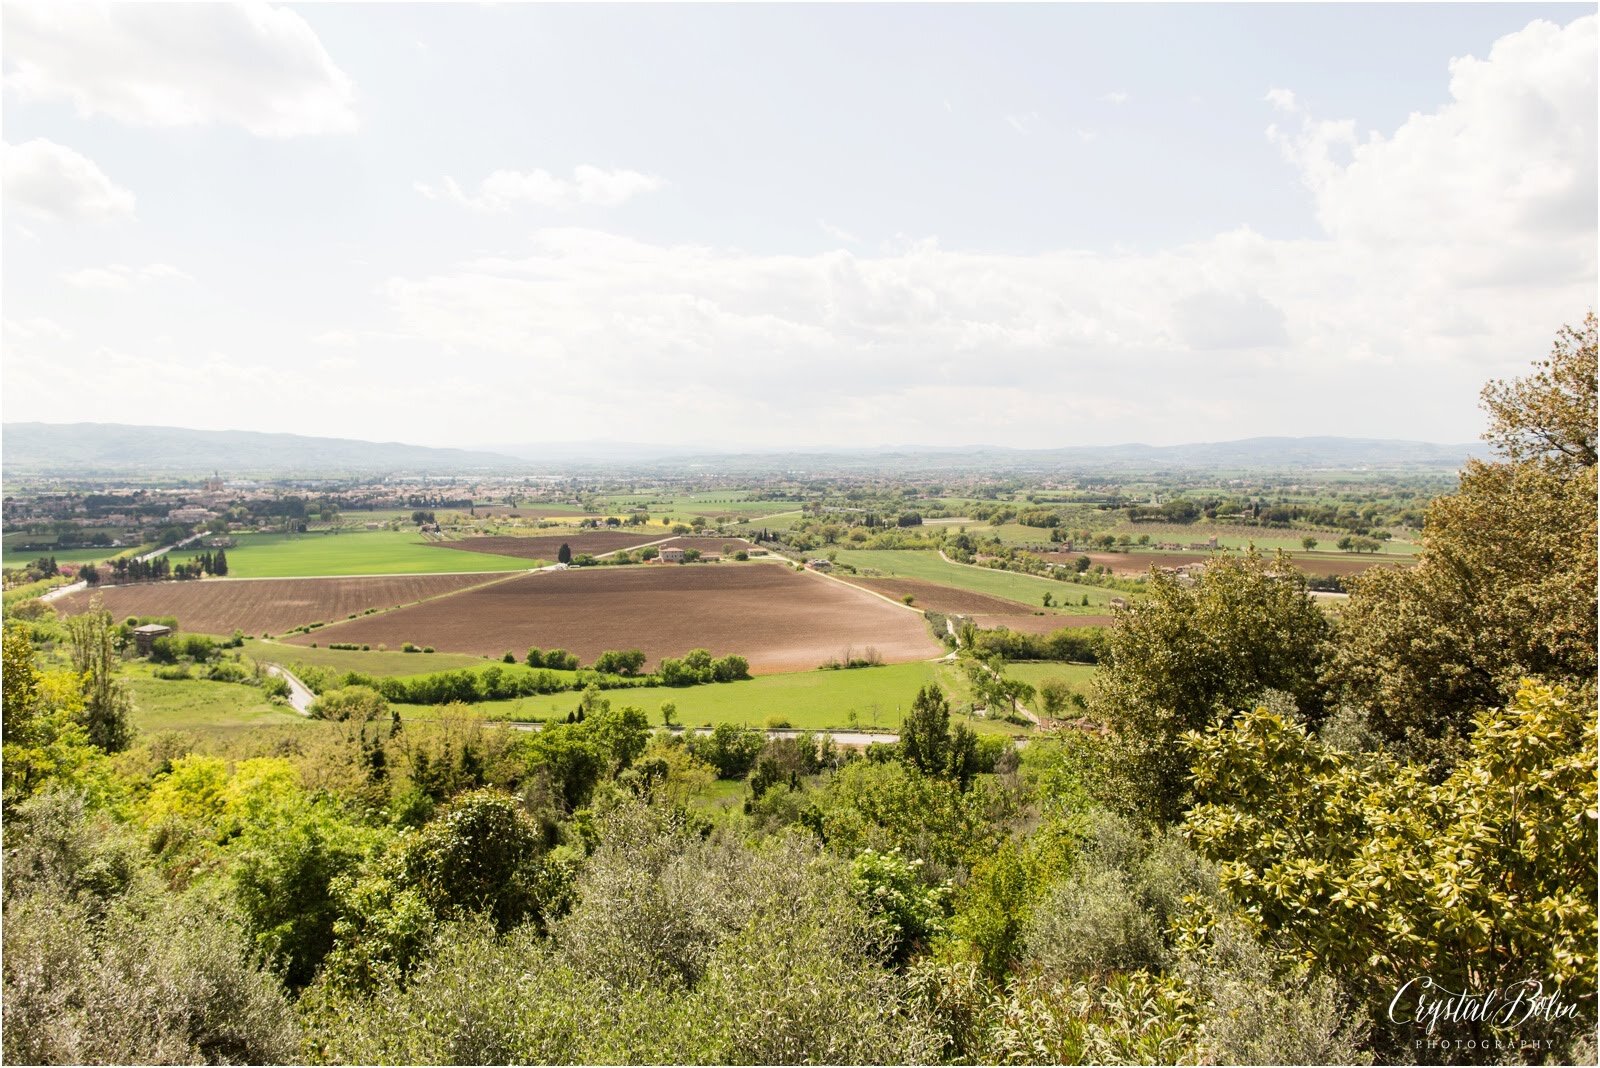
{"x": 166, "y": 980}
{"x": 227, "y": 671}
{"x": 359, "y": 703}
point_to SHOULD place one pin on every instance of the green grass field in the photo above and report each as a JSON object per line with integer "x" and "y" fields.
{"x": 381, "y": 664}
{"x": 1024, "y": 589}
{"x": 367, "y": 552}
{"x": 808, "y": 700}
{"x": 196, "y": 704}
{"x": 1266, "y": 540}
{"x": 18, "y": 558}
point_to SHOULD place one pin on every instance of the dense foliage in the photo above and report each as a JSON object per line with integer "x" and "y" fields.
{"x": 1267, "y": 834}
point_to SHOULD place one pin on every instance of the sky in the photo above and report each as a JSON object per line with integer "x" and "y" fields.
{"x": 753, "y": 227}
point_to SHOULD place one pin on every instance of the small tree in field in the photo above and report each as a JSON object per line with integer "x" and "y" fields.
{"x": 564, "y": 555}
{"x": 1308, "y": 543}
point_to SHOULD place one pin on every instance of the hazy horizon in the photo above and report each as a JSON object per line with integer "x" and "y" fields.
{"x": 761, "y": 228}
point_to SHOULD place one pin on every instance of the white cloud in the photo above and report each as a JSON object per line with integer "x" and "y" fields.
{"x": 504, "y": 190}
{"x": 838, "y": 233}
{"x": 38, "y": 328}
{"x": 1441, "y": 294}
{"x": 1499, "y": 180}
{"x": 54, "y": 182}
{"x": 1023, "y": 124}
{"x": 245, "y": 64}
{"x": 1116, "y": 96}
{"x": 120, "y": 276}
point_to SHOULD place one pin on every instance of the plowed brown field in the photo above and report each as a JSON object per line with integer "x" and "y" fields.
{"x": 546, "y": 547}
{"x": 778, "y": 619}
{"x": 267, "y": 606}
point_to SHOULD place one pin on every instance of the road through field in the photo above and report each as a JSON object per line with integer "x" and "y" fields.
{"x": 300, "y": 695}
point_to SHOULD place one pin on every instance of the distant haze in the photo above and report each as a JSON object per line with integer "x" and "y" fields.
{"x": 101, "y": 449}
{"x": 754, "y": 227}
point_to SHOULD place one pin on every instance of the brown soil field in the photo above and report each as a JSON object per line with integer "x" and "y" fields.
{"x": 545, "y": 547}
{"x": 267, "y": 606}
{"x": 1137, "y": 563}
{"x": 778, "y": 619}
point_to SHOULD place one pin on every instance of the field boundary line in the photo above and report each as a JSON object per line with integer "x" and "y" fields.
{"x": 489, "y": 576}
{"x": 498, "y": 577}
{"x": 1020, "y": 574}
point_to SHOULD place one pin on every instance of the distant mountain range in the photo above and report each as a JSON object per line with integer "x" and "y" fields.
{"x": 1267, "y": 453}
{"x": 29, "y": 449}
{"x": 115, "y": 449}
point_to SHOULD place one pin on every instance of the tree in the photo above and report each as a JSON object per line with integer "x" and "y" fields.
{"x": 1055, "y": 694}
{"x": 1506, "y": 584}
{"x": 1366, "y": 868}
{"x": 1308, "y": 543}
{"x": 1186, "y": 653}
{"x": 481, "y": 855}
{"x": 107, "y": 702}
{"x": 361, "y": 704}
{"x": 669, "y": 713}
{"x": 620, "y": 662}
{"x": 564, "y": 554}
{"x": 1549, "y": 416}
{"x": 219, "y": 563}
{"x": 925, "y": 731}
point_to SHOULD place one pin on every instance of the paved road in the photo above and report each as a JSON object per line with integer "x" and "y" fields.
{"x": 153, "y": 553}
{"x": 300, "y": 695}
{"x": 62, "y": 591}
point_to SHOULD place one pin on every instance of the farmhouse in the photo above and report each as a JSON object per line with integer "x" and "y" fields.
{"x": 671, "y": 555}
{"x": 144, "y": 637}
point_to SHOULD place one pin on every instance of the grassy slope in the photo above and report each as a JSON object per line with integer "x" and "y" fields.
{"x": 1026, "y": 590}
{"x": 377, "y": 552}
{"x": 808, "y": 699}
{"x": 193, "y": 704}
{"x": 381, "y": 664}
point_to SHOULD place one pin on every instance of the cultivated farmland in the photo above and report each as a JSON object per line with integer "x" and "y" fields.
{"x": 1026, "y": 590}
{"x": 985, "y": 610}
{"x": 1312, "y": 563}
{"x": 780, "y": 620}
{"x": 862, "y": 699}
{"x": 270, "y": 606}
{"x": 370, "y": 552}
{"x": 545, "y": 547}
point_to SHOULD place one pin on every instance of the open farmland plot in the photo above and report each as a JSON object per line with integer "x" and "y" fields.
{"x": 1240, "y": 536}
{"x": 779, "y": 619}
{"x": 367, "y": 552}
{"x": 266, "y": 606}
{"x": 1026, "y": 590}
{"x": 707, "y": 544}
{"x": 1312, "y": 563}
{"x": 873, "y": 698}
{"x": 545, "y": 547}
{"x": 986, "y": 611}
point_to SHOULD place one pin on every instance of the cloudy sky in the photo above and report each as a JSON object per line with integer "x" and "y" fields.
{"x": 766, "y": 226}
